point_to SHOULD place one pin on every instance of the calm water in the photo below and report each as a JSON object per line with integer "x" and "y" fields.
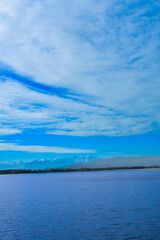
{"x": 83, "y": 205}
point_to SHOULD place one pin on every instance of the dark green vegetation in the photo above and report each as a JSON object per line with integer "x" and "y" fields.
{"x": 54, "y": 170}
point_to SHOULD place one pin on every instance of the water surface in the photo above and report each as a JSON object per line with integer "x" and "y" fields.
{"x": 122, "y": 204}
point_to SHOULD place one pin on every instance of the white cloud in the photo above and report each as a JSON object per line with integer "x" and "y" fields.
{"x": 41, "y": 149}
{"x": 105, "y": 51}
{"x": 8, "y": 131}
{"x": 25, "y": 108}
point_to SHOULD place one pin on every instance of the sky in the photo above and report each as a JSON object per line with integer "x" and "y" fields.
{"x": 79, "y": 77}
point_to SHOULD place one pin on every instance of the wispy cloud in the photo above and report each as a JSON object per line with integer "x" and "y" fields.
{"x": 79, "y": 68}
{"x": 8, "y": 131}
{"x": 41, "y": 149}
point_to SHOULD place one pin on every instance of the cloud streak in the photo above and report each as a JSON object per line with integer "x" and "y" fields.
{"x": 9, "y": 131}
{"x": 41, "y": 149}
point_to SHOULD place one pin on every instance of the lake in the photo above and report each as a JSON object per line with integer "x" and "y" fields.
{"x": 121, "y": 204}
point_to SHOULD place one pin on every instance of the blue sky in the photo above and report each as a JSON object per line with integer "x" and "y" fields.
{"x": 79, "y": 77}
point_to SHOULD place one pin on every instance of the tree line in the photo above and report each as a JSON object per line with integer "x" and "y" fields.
{"x": 54, "y": 170}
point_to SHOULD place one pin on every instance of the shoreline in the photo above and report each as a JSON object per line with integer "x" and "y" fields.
{"x": 55, "y": 170}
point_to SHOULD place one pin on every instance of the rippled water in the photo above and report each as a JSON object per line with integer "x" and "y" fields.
{"x": 81, "y": 205}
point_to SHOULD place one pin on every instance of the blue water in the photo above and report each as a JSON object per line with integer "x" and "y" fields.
{"x": 81, "y": 205}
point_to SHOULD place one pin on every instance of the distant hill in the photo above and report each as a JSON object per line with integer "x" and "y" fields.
{"x": 46, "y": 164}
{"x": 119, "y": 162}
{"x": 90, "y": 161}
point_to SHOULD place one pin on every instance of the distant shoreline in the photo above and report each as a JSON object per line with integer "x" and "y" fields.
{"x": 55, "y": 170}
